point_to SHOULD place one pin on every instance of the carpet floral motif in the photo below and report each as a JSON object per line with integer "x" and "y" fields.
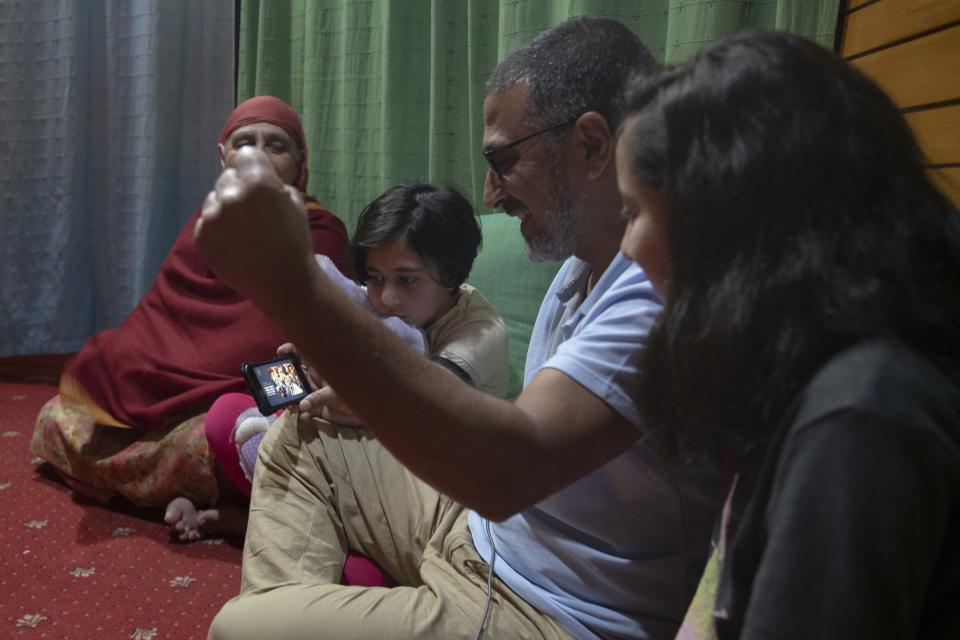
{"x": 31, "y": 620}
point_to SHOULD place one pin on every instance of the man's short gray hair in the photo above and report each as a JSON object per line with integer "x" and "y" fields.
{"x": 579, "y": 65}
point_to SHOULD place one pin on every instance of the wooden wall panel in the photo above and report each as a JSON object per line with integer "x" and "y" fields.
{"x": 938, "y": 132}
{"x": 911, "y": 48}
{"x": 948, "y": 180}
{"x": 38, "y": 368}
{"x": 918, "y": 72}
{"x": 884, "y": 22}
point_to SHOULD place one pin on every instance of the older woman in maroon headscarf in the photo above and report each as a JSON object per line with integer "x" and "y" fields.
{"x": 128, "y": 420}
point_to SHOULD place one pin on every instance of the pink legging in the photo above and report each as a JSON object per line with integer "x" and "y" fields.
{"x": 220, "y": 426}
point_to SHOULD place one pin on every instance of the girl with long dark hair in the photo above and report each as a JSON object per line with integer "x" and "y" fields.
{"x": 810, "y": 337}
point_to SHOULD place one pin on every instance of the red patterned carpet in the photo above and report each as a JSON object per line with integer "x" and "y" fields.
{"x": 73, "y": 569}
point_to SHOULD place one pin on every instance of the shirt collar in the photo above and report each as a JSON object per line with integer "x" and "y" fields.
{"x": 576, "y": 283}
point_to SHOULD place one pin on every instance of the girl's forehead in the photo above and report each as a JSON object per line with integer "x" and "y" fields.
{"x": 396, "y": 254}
{"x": 628, "y": 130}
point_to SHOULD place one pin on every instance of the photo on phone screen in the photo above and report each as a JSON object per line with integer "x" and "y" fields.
{"x": 275, "y": 384}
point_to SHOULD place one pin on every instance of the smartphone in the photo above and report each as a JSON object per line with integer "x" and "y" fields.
{"x": 276, "y": 383}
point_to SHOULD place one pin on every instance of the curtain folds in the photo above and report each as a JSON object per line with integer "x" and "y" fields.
{"x": 392, "y": 90}
{"x": 109, "y": 117}
{"x": 110, "y": 110}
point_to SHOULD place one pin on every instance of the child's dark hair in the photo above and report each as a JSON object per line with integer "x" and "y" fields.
{"x": 438, "y": 223}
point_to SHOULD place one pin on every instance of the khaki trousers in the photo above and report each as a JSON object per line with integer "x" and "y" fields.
{"x": 320, "y": 490}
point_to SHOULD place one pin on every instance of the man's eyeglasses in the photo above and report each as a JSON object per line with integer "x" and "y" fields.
{"x": 491, "y": 154}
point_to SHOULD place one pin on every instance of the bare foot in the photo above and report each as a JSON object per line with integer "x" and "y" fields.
{"x": 191, "y": 525}
{"x": 228, "y": 520}
{"x": 182, "y": 517}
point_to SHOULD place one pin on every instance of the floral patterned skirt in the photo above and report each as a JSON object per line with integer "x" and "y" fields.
{"x": 149, "y": 468}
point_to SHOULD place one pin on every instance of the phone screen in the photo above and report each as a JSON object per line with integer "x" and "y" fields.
{"x": 277, "y": 383}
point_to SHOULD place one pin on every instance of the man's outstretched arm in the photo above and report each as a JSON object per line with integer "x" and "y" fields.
{"x": 494, "y": 456}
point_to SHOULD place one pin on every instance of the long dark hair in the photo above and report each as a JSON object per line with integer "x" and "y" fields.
{"x": 438, "y": 223}
{"x": 800, "y": 222}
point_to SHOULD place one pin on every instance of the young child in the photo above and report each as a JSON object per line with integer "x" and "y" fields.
{"x": 412, "y": 250}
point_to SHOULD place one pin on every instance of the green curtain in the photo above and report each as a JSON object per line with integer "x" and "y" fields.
{"x": 392, "y": 90}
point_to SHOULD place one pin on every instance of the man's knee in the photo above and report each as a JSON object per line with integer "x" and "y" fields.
{"x": 228, "y": 624}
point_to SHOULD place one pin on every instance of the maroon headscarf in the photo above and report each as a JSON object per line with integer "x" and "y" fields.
{"x": 273, "y": 111}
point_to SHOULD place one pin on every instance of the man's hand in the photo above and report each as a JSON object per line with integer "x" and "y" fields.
{"x": 253, "y": 233}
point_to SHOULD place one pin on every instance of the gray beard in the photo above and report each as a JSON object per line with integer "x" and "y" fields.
{"x": 557, "y": 239}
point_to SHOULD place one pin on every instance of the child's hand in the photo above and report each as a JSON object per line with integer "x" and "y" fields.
{"x": 323, "y": 402}
{"x": 326, "y": 404}
{"x": 313, "y": 376}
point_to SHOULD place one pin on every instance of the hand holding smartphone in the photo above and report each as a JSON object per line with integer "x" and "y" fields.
{"x": 276, "y": 383}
